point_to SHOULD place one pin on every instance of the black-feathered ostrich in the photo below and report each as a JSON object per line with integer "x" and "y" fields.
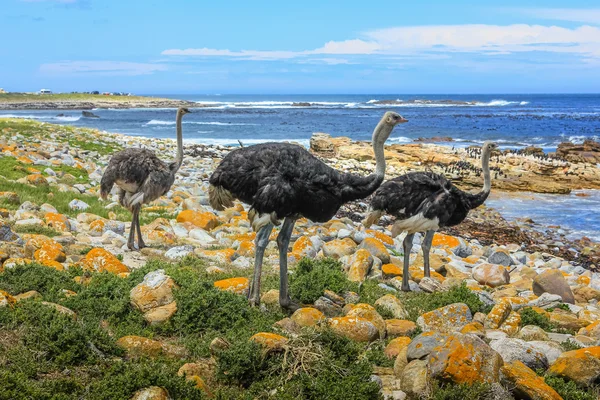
{"x": 282, "y": 180}
{"x": 426, "y": 202}
{"x": 142, "y": 177}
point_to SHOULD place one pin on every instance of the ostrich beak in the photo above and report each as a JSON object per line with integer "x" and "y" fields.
{"x": 402, "y": 120}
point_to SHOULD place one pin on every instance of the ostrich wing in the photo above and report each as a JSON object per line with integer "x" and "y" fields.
{"x": 410, "y": 194}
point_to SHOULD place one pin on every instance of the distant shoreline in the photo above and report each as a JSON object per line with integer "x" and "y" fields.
{"x": 77, "y": 101}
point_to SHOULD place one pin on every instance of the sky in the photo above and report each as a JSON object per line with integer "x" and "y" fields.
{"x": 309, "y": 46}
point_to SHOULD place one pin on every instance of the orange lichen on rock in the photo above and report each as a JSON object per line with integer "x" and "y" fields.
{"x": 581, "y": 366}
{"x": 360, "y": 265}
{"x": 399, "y": 327}
{"x": 204, "y": 220}
{"x": 395, "y": 346}
{"x": 234, "y": 285}
{"x": 6, "y": 299}
{"x": 222, "y": 255}
{"x": 391, "y": 270}
{"x": 369, "y": 313}
{"x": 354, "y": 328}
{"x": 526, "y": 383}
{"x": 58, "y": 222}
{"x": 246, "y": 248}
{"x": 272, "y": 341}
{"x": 439, "y": 239}
{"x": 465, "y": 359}
{"x": 376, "y": 248}
{"x": 511, "y": 324}
{"x": 100, "y": 260}
{"x": 36, "y": 180}
{"x": 382, "y": 237}
{"x": 498, "y": 314}
{"x": 308, "y": 316}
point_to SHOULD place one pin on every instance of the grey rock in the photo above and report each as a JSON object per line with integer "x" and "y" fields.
{"x": 78, "y": 205}
{"x": 500, "y": 258}
{"x": 422, "y": 345}
{"x": 178, "y": 252}
{"x": 551, "y": 349}
{"x": 553, "y": 282}
{"x": 516, "y": 349}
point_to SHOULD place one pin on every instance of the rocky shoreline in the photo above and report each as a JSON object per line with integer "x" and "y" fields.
{"x": 54, "y": 102}
{"x": 509, "y": 311}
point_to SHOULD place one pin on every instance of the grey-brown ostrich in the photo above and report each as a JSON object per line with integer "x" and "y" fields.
{"x": 426, "y": 202}
{"x": 285, "y": 181}
{"x": 141, "y": 177}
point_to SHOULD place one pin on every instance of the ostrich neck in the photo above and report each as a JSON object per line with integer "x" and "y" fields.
{"x": 179, "y": 158}
{"x": 485, "y": 165}
{"x": 380, "y": 135}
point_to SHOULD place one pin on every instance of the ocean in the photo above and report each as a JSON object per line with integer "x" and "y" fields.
{"x": 513, "y": 121}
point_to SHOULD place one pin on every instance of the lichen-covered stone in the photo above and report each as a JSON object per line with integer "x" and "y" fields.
{"x": 525, "y": 383}
{"x": 491, "y": 275}
{"x": 234, "y": 285}
{"x": 450, "y": 318}
{"x": 392, "y": 304}
{"x": 271, "y": 341}
{"x": 498, "y": 314}
{"x": 369, "y": 313}
{"x": 308, "y": 316}
{"x": 360, "y": 264}
{"x": 395, "y": 345}
{"x": 581, "y": 366}
{"x": 354, "y": 328}
{"x": 100, "y": 260}
{"x": 376, "y": 248}
{"x": 464, "y": 359}
{"x": 399, "y": 327}
{"x": 512, "y": 349}
{"x": 339, "y": 248}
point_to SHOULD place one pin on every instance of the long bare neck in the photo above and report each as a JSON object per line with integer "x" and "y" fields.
{"x": 477, "y": 199}
{"x": 179, "y": 158}
{"x": 380, "y": 134}
{"x": 358, "y": 187}
{"x": 485, "y": 166}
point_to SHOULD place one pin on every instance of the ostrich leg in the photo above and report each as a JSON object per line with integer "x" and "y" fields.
{"x": 141, "y": 243}
{"x": 283, "y": 242}
{"x": 408, "y": 242}
{"x": 426, "y": 248}
{"x": 262, "y": 240}
{"x": 130, "y": 242}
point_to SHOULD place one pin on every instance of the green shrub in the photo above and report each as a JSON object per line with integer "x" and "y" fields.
{"x": 312, "y": 277}
{"x": 47, "y": 281}
{"x": 569, "y": 345}
{"x": 36, "y": 229}
{"x": 569, "y": 389}
{"x": 531, "y": 317}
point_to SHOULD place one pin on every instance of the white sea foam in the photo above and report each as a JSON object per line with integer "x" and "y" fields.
{"x": 161, "y": 122}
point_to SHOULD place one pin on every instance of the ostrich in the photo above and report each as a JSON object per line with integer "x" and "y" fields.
{"x": 142, "y": 178}
{"x": 426, "y": 202}
{"x": 285, "y": 181}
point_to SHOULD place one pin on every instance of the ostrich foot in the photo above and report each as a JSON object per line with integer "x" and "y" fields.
{"x": 288, "y": 305}
{"x": 131, "y": 246}
{"x": 141, "y": 244}
{"x": 254, "y": 302}
{"x": 405, "y": 288}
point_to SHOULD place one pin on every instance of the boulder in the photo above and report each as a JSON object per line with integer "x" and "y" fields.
{"x": 414, "y": 378}
{"x": 464, "y": 359}
{"x": 500, "y": 257}
{"x": 339, "y": 248}
{"x": 154, "y": 297}
{"x": 235, "y": 285}
{"x": 399, "y": 327}
{"x": 152, "y": 392}
{"x": 360, "y": 264}
{"x": 307, "y": 316}
{"x": 450, "y": 318}
{"x": 369, "y": 313}
{"x": 375, "y": 248}
{"x": 581, "y": 366}
{"x": 526, "y": 384}
{"x": 423, "y": 344}
{"x": 491, "y": 275}
{"x": 512, "y": 349}
{"x": 354, "y": 328}
{"x": 552, "y": 281}
{"x": 392, "y": 304}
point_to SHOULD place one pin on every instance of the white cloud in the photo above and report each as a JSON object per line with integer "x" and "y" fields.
{"x": 422, "y": 41}
{"x": 101, "y": 68}
{"x": 589, "y": 15}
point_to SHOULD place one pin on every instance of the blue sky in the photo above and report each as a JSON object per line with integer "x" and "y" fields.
{"x": 199, "y": 46}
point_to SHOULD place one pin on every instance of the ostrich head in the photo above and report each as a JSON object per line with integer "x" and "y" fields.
{"x": 384, "y": 129}
{"x": 488, "y": 147}
{"x": 182, "y": 111}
